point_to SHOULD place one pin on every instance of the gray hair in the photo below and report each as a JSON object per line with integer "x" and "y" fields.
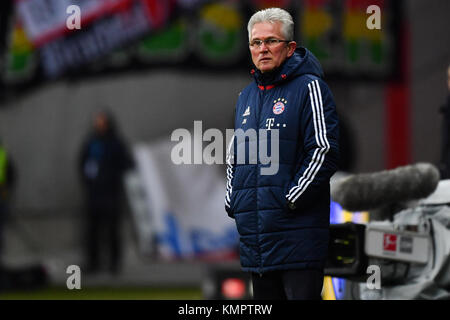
{"x": 273, "y": 15}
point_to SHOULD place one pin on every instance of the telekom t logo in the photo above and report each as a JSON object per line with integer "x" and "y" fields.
{"x": 389, "y": 242}
{"x": 269, "y": 123}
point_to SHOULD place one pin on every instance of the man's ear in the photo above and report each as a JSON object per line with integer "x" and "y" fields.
{"x": 292, "y": 46}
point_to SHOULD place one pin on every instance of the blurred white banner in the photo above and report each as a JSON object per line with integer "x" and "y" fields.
{"x": 185, "y": 205}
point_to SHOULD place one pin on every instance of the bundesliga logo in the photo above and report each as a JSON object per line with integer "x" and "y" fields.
{"x": 390, "y": 242}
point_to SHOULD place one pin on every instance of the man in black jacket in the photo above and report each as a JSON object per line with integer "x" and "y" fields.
{"x": 103, "y": 161}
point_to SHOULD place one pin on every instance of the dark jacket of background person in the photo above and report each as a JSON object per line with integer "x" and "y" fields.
{"x": 272, "y": 236}
{"x": 103, "y": 161}
{"x": 445, "y": 150}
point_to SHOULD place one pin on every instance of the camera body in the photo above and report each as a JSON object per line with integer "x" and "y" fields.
{"x": 411, "y": 249}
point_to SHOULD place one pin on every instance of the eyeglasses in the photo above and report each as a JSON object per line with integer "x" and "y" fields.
{"x": 271, "y": 42}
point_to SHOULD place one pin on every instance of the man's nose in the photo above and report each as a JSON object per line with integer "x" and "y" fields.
{"x": 263, "y": 47}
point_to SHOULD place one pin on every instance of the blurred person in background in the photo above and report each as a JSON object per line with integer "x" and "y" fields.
{"x": 7, "y": 178}
{"x": 103, "y": 160}
{"x": 445, "y": 150}
{"x": 283, "y": 218}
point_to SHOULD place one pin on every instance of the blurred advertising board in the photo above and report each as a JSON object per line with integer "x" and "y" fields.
{"x": 45, "y": 20}
{"x": 99, "y": 39}
{"x": 205, "y": 36}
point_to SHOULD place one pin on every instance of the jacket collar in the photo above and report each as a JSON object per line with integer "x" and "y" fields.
{"x": 301, "y": 62}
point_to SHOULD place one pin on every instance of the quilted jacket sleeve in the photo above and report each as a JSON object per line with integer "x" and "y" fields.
{"x": 319, "y": 129}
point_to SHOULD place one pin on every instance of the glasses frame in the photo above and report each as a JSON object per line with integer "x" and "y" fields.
{"x": 270, "y": 42}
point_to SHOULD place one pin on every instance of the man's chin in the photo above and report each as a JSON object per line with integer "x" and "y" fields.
{"x": 266, "y": 68}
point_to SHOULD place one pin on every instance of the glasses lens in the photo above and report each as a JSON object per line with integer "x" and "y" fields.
{"x": 255, "y": 43}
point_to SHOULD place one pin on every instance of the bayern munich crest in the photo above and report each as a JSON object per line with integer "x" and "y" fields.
{"x": 278, "y": 106}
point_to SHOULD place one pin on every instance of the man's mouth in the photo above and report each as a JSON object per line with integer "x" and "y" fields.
{"x": 264, "y": 59}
